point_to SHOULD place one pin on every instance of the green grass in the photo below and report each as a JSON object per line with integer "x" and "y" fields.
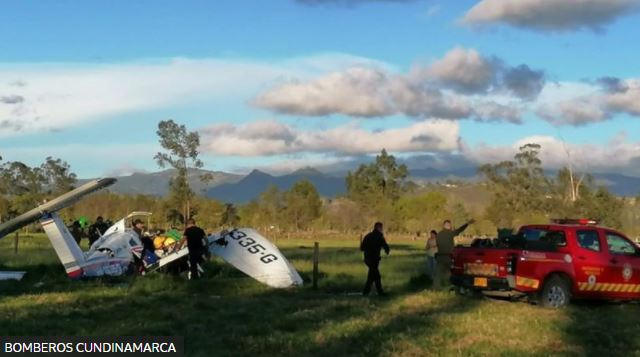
{"x": 229, "y": 314}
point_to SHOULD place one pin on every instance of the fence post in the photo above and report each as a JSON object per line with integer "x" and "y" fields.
{"x": 15, "y": 243}
{"x": 316, "y": 253}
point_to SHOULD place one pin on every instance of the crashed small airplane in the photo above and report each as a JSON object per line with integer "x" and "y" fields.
{"x": 119, "y": 250}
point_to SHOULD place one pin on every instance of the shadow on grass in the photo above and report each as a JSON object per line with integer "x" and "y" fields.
{"x": 229, "y": 314}
{"x": 269, "y": 322}
{"x": 396, "y": 333}
{"x": 600, "y": 328}
{"x": 342, "y": 270}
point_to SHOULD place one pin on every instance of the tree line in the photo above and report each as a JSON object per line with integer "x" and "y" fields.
{"x": 520, "y": 192}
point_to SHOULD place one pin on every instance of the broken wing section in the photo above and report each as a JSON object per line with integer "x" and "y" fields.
{"x": 256, "y": 256}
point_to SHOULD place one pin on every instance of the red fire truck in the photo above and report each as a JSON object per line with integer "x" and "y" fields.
{"x": 552, "y": 263}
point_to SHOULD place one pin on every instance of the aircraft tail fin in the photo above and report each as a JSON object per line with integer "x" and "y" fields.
{"x": 70, "y": 254}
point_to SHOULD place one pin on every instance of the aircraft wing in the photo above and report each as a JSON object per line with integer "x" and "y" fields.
{"x": 12, "y": 275}
{"x": 256, "y": 256}
{"x": 54, "y": 205}
{"x": 169, "y": 258}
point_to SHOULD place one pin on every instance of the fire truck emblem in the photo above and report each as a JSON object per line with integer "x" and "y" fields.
{"x": 592, "y": 280}
{"x": 627, "y": 272}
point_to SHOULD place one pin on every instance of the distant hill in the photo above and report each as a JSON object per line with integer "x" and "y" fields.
{"x": 244, "y": 188}
{"x": 621, "y": 185}
{"x": 252, "y": 185}
{"x": 157, "y": 183}
{"x": 430, "y": 173}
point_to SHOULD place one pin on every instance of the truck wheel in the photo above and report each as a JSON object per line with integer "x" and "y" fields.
{"x": 555, "y": 293}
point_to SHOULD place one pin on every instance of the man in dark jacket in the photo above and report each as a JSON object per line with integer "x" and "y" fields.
{"x": 195, "y": 239}
{"x": 76, "y": 231}
{"x": 371, "y": 245}
{"x": 445, "y": 243}
{"x": 97, "y": 229}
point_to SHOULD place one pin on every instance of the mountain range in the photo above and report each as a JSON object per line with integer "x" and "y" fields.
{"x": 228, "y": 187}
{"x": 257, "y": 182}
{"x": 157, "y": 183}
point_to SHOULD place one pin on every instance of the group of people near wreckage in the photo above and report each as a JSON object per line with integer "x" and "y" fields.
{"x": 193, "y": 237}
{"x": 154, "y": 246}
{"x": 79, "y": 229}
{"x": 439, "y": 247}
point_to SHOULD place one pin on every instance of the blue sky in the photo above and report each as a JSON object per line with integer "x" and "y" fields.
{"x": 317, "y": 82}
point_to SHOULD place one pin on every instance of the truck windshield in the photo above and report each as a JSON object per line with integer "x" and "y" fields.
{"x": 539, "y": 239}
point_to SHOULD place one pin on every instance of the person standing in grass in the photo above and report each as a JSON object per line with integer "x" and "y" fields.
{"x": 432, "y": 250}
{"x": 194, "y": 237}
{"x": 371, "y": 245}
{"x": 445, "y": 244}
{"x": 76, "y": 231}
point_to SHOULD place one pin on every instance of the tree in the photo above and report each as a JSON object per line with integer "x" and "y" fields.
{"x": 251, "y": 214}
{"x": 519, "y": 187}
{"x": 208, "y": 212}
{"x": 378, "y": 185}
{"x": 569, "y": 187}
{"x": 182, "y": 154}
{"x": 229, "y": 217}
{"x": 607, "y": 208}
{"x": 422, "y": 212}
{"x": 270, "y": 207}
{"x": 597, "y": 203}
{"x": 459, "y": 214}
{"x": 174, "y": 217}
{"x": 383, "y": 178}
{"x": 22, "y": 185}
{"x": 58, "y": 176}
{"x": 302, "y": 204}
{"x": 345, "y": 215}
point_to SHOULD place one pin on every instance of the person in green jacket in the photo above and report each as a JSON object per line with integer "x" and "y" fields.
{"x": 444, "y": 241}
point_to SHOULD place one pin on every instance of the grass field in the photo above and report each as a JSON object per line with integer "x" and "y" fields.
{"x": 228, "y": 314}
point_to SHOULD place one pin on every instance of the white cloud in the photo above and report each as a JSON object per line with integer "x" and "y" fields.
{"x": 576, "y": 112}
{"x": 448, "y": 88}
{"x": 464, "y": 70}
{"x": 591, "y": 103}
{"x": 625, "y": 99}
{"x": 362, "y": 92}
{"x": 37, "y": 97}
{"x": 549, "y": 15}
{"x": 492, "y": 111}
{"x": 468, "y": 72}
{"x": 356, "y": 91}
{"x": 522, "y": 81}
{"x": 126, "y": 169}
{"x": 270, "y": 137}
{"x": 618, "y": 154}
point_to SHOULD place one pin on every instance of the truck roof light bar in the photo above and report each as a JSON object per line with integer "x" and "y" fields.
{"x": 580, "y": 221}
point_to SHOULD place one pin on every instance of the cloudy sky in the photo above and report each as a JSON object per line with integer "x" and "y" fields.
{"x": 321, "y": 82}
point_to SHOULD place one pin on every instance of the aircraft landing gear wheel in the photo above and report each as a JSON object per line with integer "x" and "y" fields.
{"x": 556, "y": 293}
